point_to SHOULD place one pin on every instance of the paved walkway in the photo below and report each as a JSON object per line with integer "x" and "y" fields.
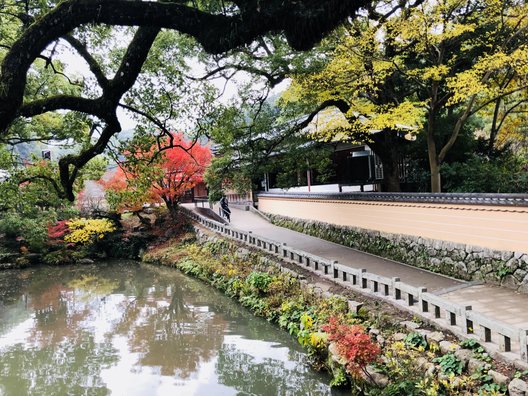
{"x": 496, "y": 303}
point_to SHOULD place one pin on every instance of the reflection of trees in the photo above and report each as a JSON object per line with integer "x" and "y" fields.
{"x": 60, "y": 311}
{"x": 239, "y": 370}
{"x": 55, "y": 318}
{"x": 171, "y": 328}
{"x": 11, "y": 282}
{"x": 172, "y": 322}
{"x": 90, "y": 285}
{"x": 63, "y": 369}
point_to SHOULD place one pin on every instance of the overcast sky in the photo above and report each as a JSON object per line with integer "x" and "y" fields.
{"x": 77, "y": 65}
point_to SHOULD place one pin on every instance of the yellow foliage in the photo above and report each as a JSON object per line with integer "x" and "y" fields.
{"x": 83, "y": 231}
{"x": 93, "y": 285}
{"x": 435, "y": 73}
{"x": 306, "y": 321}
{"x": 318, "y": 339}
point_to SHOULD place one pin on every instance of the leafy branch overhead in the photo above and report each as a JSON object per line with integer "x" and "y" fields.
{"x": 33, "y": 32}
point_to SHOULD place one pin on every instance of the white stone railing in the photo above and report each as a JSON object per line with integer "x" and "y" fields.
{"x": 459, "y": 319}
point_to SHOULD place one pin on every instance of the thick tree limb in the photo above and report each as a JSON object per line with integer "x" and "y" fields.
{"x": 64, "y": 102}
{"x": 304, "y": 22}
{"x": 48, "y": 179}
{"x": 340, "y": 104}
{"x": 125, "y": 77}
{"x": 92, "y": 63}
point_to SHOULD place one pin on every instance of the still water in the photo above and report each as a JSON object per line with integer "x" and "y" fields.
{"x": 124, "y": 328}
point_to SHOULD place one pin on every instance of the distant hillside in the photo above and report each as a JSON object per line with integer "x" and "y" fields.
{"x": 58, "y": 149}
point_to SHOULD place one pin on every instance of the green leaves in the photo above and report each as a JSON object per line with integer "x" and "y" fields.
{"x": 450, "y": 364}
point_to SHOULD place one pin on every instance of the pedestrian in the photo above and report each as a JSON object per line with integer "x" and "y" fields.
{"x": 225, "y": 208}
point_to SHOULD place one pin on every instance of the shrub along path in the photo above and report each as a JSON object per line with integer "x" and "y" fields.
{"x": 495, "y": 302}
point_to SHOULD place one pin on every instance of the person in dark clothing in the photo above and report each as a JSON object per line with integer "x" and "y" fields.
{"x": 226, "y": 212}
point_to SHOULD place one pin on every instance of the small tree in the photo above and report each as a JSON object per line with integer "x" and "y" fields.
{"x": 161, "y": 173}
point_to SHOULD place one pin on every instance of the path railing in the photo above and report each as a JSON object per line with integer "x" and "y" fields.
{"x": 460, "y": 319}
{"x": 202, "y": 202}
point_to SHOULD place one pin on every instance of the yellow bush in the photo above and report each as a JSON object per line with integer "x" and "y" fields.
{"x": 83, "y": 231}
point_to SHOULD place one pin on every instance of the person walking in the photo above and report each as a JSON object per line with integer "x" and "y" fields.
{"x": 226, "y": 212}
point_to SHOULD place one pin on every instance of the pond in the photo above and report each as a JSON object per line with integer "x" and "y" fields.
{"x": 124, "y": 328}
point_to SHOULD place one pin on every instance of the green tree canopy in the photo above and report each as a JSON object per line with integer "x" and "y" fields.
{"x": 32, "y": 33}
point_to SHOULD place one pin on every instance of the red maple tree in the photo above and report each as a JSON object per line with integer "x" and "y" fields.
{"x": 155, "y": 176}
{"x": 353, "y": 344}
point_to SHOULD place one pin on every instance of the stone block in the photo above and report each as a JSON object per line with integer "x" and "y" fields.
{"x": 491, "y": 277}
{"x": 472, "y": 266}
{"x": 518, "y": 255}
{"x": 375, "y": 378}
{"x": 510, "y": 282}
{"x": 412, "y": 326}
{"x": 449, "y": 246}
{"x": 475, "y": 365}
{"x": 461, "y": 267}
{"x": 464, "y": 355}
{"x": 399, "y": 336}
{"x": 498, "y": 378}
{"x": 459, "y": 255}
{"x": 486, "y": 268}
{"x": 448, "y": 347}
{"x": 421, "y": 363}
{"x": 374, "y": 331}
{"x": 523, "y": 288}
{"x": 435, "y": 263}
{"x": 478, "y": 276}
{"x": 512, "y": 264}
{"x": 520, "y": 274}
{"x": 517, "y": 387}
{"x": 436, "y": 336}
{"x": 334, "y": 355}
{"x": 431, "y": 252}
{"x": 354, "y": 306}
{"x": 424, "y": 332}
{"x": 430, "y": 370}
{"x": 448, "y": 261}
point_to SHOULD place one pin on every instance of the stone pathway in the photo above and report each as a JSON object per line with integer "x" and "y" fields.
{"x": 497, "y": 303}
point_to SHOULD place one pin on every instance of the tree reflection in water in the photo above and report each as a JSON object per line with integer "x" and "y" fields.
{"x": 116, "y": 326}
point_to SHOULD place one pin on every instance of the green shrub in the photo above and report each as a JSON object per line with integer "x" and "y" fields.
{"x": 260, "y": 281}
{"x": 32, "y": 230}
{"x": 59, "y": 257}
{"x": 415, "y": 340}
{"x": 449, "y": 364}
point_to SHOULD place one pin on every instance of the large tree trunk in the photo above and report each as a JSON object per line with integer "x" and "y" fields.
{"x": 173, "y": 206}
{"x": 436, "y": 177}
{"x": 388, "y": 146}
{"x": 434, "y": 165}
{"x": 391, "y": 175}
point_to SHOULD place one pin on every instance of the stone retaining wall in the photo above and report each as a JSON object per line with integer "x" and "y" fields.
{"x": 466, "y": 262}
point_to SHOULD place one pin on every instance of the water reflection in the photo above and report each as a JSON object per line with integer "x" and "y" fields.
{"x": 128, "y": 329}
